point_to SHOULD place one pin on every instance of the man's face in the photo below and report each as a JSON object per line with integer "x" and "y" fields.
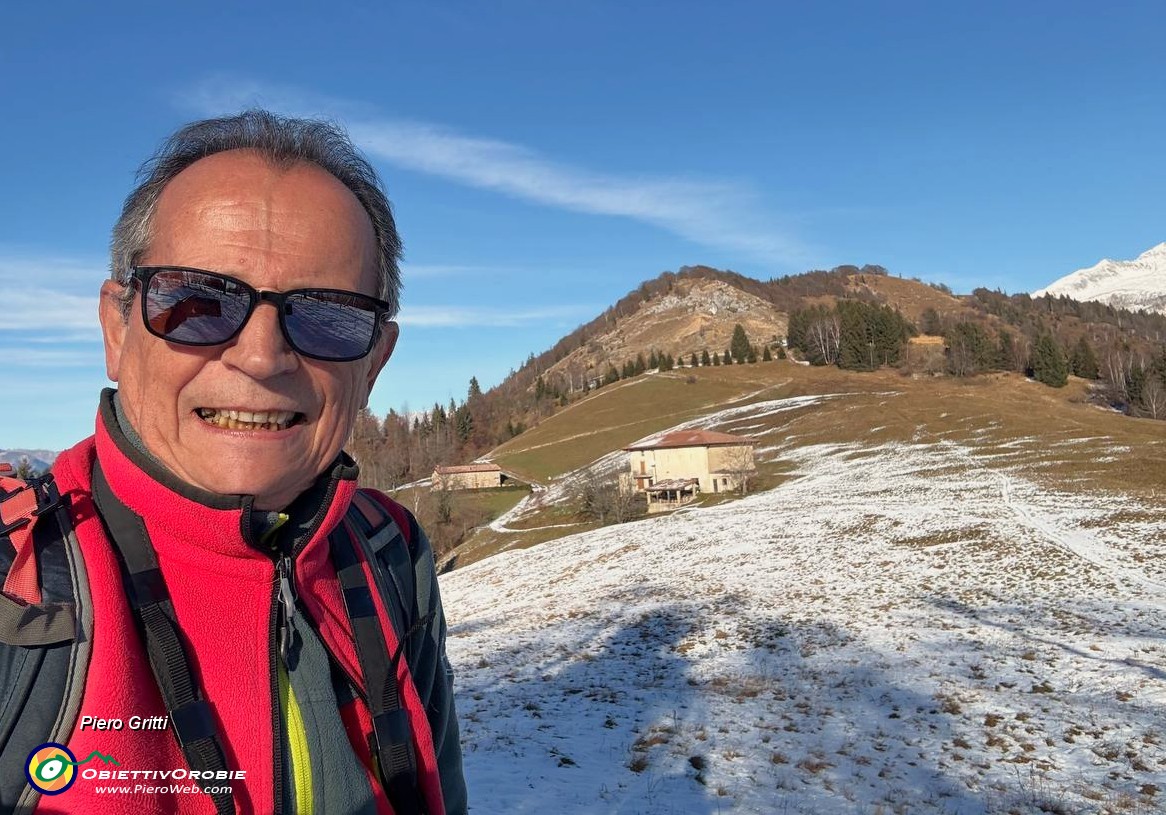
{"x": 276, "y": 229}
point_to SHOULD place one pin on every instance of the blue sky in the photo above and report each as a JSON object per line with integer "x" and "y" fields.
{"x": 546, "y": 157}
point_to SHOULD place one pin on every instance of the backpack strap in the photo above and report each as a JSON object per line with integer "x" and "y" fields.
{"x": 389, "y": 542}
{"x": 149, "y": 600}
{"x": 354, "y": 544}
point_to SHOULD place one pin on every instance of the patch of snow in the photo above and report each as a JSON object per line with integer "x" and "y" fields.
{"x": 902, "y": 628}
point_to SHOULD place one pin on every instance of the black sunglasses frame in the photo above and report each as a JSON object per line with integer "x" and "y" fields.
{"x": 141, "y": 276}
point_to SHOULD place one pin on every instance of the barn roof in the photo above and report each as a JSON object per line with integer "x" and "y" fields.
{"x": 691, "y": 438}
{"x": 673, "y": 484}
{"x": 452, "y": 469}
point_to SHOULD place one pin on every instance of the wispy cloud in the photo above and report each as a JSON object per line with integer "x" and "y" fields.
{"x": 20, "y": 266}
{"x": 411, "y": 271}
{"x": 49, "y": 298}
{"x": 468, "y": 317}
{"x": 22, "y": 356}
{"x": 48, "y": 310}
{"x": 722, "y": 214}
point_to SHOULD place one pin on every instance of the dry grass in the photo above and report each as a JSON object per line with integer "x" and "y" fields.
{"x": 1054, "y": 436}
{"x": 619, "y": 414}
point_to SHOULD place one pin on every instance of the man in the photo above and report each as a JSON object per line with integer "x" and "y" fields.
{"x": 241, "y": 615}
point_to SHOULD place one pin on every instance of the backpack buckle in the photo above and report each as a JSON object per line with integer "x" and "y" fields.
{"x": 48, "y": 498}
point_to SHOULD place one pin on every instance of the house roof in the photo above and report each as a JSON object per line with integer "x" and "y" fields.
{"x": 452, "y": 469}
{"x": 691, "y": 438}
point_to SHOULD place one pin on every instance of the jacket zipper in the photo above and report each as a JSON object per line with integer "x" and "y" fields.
{"x": 283, "y": 608}
{"x": 287, "y": 604}
{"x": 275, "y": 646}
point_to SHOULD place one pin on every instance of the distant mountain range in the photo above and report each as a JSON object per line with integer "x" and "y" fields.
{"x": 1138, "y": 284}
{"x": 40, "y": 460}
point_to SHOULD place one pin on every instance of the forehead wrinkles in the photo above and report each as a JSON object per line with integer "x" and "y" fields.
{"x": 244, "y": 204}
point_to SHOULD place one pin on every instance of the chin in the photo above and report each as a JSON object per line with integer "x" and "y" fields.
{"x": 261, "y": 486}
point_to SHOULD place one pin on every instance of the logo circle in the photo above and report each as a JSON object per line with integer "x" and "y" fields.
{"x": 51, "y": 768}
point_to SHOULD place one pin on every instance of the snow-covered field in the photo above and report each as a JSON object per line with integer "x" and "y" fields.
{"x": 904, "y": 627}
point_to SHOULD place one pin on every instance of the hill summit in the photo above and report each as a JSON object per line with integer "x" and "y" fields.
{"x": 693, "y": 315}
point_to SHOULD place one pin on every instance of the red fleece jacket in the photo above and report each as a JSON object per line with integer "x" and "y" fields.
{"x": 223, "y": 591}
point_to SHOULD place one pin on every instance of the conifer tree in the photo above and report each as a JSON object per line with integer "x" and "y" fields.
{"x": 716, "y": 359}
{"x": 692, "y": 360}
{"x": 25, "y": 470}
{"x": 727, "y": 358}
{"x": 969, "y": 349}
{"x": 929, "y": 322}
{"x": 704, "y": 358}
{"x": 1006, "y": 352}
{"x": 766, "y": 356}
{"x": 640, "y": 365}
{"x": 653, "y": 361}
{"x": 1083, "y": 363}
{"x": 464, "y": 422}
{"x": 739, "y": 344}
{"x": 1048, "y": 364}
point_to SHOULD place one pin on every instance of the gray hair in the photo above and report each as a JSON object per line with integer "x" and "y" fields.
{"x": 283, "y": 141}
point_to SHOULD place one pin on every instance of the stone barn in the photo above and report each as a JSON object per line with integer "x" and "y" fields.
{"x": 467, "y": 477}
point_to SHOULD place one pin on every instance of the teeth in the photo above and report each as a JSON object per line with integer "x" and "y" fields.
{"x": 248, "y": 420}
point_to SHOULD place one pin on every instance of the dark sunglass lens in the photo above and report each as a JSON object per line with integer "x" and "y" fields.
{"x": 194, "y": 308}
{"x": 330, "y": 325}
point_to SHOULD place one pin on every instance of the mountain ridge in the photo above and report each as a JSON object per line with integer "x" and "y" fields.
{"x": 1138, "y": 284}
{"x": 39, "y": 460}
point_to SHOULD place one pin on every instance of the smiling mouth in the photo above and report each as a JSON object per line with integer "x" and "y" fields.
{"x": 250, "y": 420}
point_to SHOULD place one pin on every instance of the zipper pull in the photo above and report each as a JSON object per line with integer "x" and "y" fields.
{"x": 287, "y": 602}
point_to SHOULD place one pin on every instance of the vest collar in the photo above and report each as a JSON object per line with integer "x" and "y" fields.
{"x": 192, "y": 516}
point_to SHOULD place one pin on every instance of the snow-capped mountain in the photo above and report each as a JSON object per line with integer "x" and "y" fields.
{"x": 1138, "y": 284}
{"x": 39, "y": 460}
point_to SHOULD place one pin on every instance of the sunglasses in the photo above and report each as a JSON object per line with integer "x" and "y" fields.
{"x": 194, "y": 307}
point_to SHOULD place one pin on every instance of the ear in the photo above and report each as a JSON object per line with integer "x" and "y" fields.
{"x": 380, "y": 354}
{"x": 113, "y": 325}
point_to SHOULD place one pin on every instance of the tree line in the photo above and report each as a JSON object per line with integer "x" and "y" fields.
{"x": 1047, "y": 338}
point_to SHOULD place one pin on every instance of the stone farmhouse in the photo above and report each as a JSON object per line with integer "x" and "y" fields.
{"x": 674, "y": 468}
{"x": 467, "y": 477}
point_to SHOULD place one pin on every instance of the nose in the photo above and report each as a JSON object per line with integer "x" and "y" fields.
{"x": 260, "y": 350}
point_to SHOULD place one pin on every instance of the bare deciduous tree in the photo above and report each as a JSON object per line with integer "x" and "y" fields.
{"x": 738, "y": 465}
{"x": 1153, "y": 401}
{"x": 602, "y": 500}
{"x": 824, "y": 338}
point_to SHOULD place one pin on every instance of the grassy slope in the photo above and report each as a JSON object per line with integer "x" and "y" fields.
{"x": 1061, "y": 440}
{"x": 619, "y": 414}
